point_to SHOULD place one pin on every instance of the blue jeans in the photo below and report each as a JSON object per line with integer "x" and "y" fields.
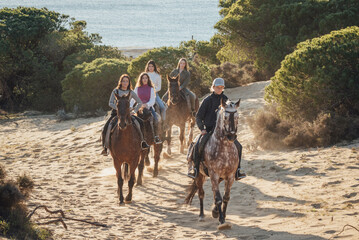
{"x": 154, "y": 115}
{"x": 162, "y": 106}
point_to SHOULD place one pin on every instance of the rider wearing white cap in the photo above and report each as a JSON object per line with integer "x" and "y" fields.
{"x": 206, "y": 121}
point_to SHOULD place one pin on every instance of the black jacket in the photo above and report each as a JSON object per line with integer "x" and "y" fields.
{"x": 206, "y": 116}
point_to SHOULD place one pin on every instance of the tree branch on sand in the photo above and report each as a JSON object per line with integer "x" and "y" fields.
{"x": 60, "y": 218}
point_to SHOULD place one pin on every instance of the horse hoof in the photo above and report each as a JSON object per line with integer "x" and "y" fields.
{"x": 224, "y": 226}
{"x": 215, "y": 212}
{"x": 147, "y": 162}
{"x": 201, "y": 219}
{"x": 122, "y": 204}
{"x": 166, "y": 156}
{"x": 149, "y": 169}
{"x": 155, "y": 173}
{"x": 128, "y": 199}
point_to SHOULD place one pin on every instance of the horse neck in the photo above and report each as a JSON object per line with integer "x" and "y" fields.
{"x": 218, "y": 130}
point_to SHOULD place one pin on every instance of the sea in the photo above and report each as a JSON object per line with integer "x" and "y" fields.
{"x": 137, "y": 24}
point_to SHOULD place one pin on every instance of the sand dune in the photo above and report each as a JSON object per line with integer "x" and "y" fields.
{"x": 290, "y": 194}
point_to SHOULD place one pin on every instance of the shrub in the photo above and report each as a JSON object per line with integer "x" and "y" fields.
{"x": 14, "y": 223}
{"x": 237, "y": 75}
{"x": 268, "y": 30}
{"x": 89, "y": 85}
{"x": 200, "y": 78}
{"x": 322, "y": 74}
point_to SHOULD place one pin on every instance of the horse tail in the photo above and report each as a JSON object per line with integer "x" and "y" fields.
{"x": 125, "y": 172}
{"x": 192, "y": 189}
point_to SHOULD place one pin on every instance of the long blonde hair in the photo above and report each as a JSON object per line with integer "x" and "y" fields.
{"x": 186, "y": 67}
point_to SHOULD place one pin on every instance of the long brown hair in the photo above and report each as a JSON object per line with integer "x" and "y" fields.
{"x": 186, "y": 67}
{"x": 119, "y": 85}
{"x": 140, "y": 83}
{"x": 154, "y": 65}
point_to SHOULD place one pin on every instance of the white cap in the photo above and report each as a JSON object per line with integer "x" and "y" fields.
{"x": 218, "y": 82}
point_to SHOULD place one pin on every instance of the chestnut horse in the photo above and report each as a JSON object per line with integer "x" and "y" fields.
{"x": 220, "y": 158}
{"x": 125, "y": 147}
{"x": 146, "y": 116}
{"x": 178, "y": 114}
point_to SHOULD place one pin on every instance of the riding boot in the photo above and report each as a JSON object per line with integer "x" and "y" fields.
{"x": 157, "y": 140}
{"x": 239, "y": 175}
{"x": 107, "y": 140}
{"x": 144, "y": 144}
{"x": 193, "y": 166}
{"x": 103, "y": 136}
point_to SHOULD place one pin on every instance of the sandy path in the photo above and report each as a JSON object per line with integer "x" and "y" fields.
{"x": 293, "y": 194}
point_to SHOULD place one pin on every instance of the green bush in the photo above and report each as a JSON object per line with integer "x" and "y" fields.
{"x": 90, "y": 54}
{"x": 33, "y": 45}
{"x": 166, "y": 59}
{"x": 237, "y": 75}
{"x": 321, "y": 75}
{"x": 201, "y": 79}
{"x": 315, "y": 94}
{"x": 267, "y": 30}
{"x": 89, "y": 85}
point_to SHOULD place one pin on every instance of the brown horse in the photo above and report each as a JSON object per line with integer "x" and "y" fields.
{"x": 178, "y": 114}
{"x": 220, "y": 158}
{"x": 125, "y": 147}
{"x": 146, "y": 116}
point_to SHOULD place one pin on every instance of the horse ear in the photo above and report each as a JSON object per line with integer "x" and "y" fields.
{"x": 237, "y": 103}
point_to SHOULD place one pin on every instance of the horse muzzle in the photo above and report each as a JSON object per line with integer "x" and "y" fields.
{"x": 231, "y": 137}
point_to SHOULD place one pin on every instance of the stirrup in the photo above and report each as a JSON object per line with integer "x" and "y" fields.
{"x": 144, "y": 145}
{"x": 192, "y": 174}
{"x": 239, "y": 175}
{"x": 193, "y": 113}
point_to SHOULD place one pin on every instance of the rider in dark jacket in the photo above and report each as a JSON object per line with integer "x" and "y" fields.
{"x": 206, "y": 121}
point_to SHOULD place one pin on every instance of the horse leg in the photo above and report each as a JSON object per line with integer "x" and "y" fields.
{"x": 140, "y": 167}
{"x": 226, "y": 197}
{"x": 147, "y": 159}
{"x": 131, "y": 182}
{"x": 157, "y": 150}
{"x": 200, "y": 181}
{"x": 119, "y": 181}
{"x": 182, "y": 140}
{"x": 169, "y": 133}
{"x": 217, "y": 198}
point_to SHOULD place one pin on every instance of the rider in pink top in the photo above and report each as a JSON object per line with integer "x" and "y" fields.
{"x": 146, "y": 92}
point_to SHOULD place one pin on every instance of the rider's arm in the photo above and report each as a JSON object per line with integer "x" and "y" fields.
{"x": 187, "y": 77}
{"x": 137, "y": 100}
{"x": 158, "y": 82}
{"x": 201, "y": 114}
{"x": 112, "y": 102}
{"x": 152, "y": 100}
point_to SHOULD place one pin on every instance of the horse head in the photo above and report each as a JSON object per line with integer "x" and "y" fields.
{"x": 173, "y": 89}
{"x": 227, "y": 119}
{"x": 123, "y": 111}
{"x": 144, "y": 114}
